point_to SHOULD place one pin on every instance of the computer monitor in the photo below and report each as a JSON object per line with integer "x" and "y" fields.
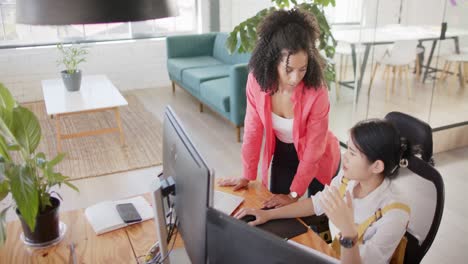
{"x": 232, "y": 241}
{"x": 193, "y": 194}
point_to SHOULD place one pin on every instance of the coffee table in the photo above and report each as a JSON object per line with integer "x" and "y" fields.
{"x": 97, "y": 93}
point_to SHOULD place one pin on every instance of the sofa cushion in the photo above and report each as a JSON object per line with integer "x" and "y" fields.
{"x": 176, "y": 66}
{"x": 219, "y": 49}
{"x": 194, "y": 77}
{"x": 217, "y": 93}
{"x": 221, "y": 53}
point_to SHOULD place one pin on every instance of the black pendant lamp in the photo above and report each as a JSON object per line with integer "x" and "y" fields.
{"x": 68, "y": 12}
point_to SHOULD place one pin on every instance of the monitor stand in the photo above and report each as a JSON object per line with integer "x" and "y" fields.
{"x": 160, "y": 218}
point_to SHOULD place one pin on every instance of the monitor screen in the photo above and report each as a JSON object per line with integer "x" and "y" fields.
{"x": 182, "y": 161}
{"x": 232, "y": 241}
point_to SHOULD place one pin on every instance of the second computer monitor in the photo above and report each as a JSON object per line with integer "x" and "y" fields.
{"x": 230, "y": 241}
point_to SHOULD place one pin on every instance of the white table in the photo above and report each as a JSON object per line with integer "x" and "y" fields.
{"x": 389, "y": 34}
{"x": 96, "y": 94}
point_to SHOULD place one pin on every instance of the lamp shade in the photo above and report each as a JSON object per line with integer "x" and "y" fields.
{"x": 67, "y": 12}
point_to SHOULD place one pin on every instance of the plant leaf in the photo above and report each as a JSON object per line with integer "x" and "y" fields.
{"x": 6, "y": 99}
{"x": 69, "y": 184}
{"x": 27, "y": 130}
{"x": 4, "y": 150}
{"x": 25, "y": 193}
{"x": 3, "y": 227}
{"x": 4, "y": 188}
{"x": 56, "y": 160}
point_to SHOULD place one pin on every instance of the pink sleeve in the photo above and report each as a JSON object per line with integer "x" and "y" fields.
{"x": 253, "y": 132}
{"x": 316, "y": 132}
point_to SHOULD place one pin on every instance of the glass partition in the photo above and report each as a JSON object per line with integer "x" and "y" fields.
{"x": 401, "y": 56}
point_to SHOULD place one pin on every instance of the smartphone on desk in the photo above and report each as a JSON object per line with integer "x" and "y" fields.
{"x": 128, "y": 212}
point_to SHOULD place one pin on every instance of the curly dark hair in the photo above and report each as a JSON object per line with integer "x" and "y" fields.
{"x": 295, "y": 31}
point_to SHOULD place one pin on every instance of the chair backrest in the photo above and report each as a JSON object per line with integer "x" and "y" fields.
{"x": 404, "y": 51}
{"x": 418, "y": 132}
{"x": 426, "y": 197}
{"x": 422, "y": 186}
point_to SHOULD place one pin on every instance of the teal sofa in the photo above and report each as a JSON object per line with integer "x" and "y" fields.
{"x": 202, "y": 66}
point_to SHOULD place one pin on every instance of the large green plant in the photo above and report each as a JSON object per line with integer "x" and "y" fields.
{"x": 27, "y": 175}
{"x": 244, "y": 35}
{"x": 72, "y": 56}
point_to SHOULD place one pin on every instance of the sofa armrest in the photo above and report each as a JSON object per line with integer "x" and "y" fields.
{"x": 237, "y": 81}
{"x": 190, "y": 45}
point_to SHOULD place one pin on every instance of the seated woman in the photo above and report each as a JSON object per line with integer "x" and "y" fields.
{"x": 375, "y": 152}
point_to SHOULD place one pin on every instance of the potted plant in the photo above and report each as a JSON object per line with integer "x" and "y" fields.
{"x": 72, "y": 56}
{"x": 26, "y": 175}
{"x": 246, "y": 32}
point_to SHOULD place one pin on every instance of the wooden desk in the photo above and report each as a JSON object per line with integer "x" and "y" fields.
{"x": 254, "y": 197}
{"x": 123, "y": 245}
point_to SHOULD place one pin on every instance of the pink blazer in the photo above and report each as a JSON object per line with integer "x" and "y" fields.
{"x": 317, "y": 148}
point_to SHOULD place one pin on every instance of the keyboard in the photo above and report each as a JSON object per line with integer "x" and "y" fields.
{"x": 226, "y": 202}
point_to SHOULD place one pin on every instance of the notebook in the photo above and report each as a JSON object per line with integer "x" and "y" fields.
{"x": 103, "y": 216}
{"x": 226, "y": 202}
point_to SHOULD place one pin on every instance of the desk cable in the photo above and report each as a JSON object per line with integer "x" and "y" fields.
{"x": 153, "y": 256}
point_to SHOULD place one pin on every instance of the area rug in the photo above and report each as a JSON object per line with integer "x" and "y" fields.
{"x": 103, "y": 154}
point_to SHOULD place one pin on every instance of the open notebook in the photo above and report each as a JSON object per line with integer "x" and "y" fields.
{"x": 226, "y": 202}
{"x": 104, "y": 217}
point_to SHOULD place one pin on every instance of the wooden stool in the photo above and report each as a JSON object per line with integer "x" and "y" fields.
{"x": 460, "y": 61}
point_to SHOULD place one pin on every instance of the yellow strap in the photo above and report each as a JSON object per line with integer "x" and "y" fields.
{"x": 375, "y": 217}
{"x": 344, "y": 184}
{"x": 378, "y": 214}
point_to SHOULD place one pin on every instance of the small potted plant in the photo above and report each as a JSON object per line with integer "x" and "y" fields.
{"x": 72, "y": 56}
{"x": 26, "y": 175}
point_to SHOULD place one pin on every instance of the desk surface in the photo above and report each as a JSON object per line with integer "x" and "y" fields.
{"x": 393, "y": 33}
{"x": 122, "y": 245}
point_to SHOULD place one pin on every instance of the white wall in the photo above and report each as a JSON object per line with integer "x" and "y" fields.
{"x": 129, "y": 65}
{"x": 232, "y": 12}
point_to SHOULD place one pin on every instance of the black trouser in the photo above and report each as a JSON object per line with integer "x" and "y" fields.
{"x": 283, "y": 168}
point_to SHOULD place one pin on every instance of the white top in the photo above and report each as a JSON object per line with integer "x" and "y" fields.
{"x": 96, "y": 92}
{"x": 380, "y": 239}
{"x": 283, "y": 128}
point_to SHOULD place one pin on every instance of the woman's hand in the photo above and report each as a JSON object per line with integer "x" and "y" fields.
{"x": 341, "y": 213}
{"x": 279, "y": 200}
{"x": 261, "y": 216}
{"x": 238, "y": 183}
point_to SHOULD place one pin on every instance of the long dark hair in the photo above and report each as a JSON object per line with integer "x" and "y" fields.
{"x": 294, "y": 31}
{"x": 378, "y": 139}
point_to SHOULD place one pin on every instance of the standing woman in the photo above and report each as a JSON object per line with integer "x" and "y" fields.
{"x": 287, "y": 101}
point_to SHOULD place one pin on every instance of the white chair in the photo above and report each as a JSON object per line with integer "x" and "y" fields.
{"x": 460, "y": 61}
{"x": 344, "y": 51}
{"x": 397, "y": 60}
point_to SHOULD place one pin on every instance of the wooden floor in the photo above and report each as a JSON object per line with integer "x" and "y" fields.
{"x": 216, "y": 140}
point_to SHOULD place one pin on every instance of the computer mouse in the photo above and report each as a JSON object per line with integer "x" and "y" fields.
{"x": 248, "y": 218}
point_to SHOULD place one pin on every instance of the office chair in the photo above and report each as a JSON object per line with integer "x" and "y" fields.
{"x": 416, "y": 131}
{"x": 422, "y": 186}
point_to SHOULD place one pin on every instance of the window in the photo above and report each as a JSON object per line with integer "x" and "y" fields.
{"x": 345, "y": 11}
{"x": 12, "y": 34}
